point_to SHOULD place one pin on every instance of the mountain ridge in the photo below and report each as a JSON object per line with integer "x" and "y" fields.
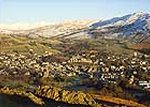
{"x": 125, "y": 26}
{"x": 134, "y": 25}
{"x": 49, "y": 31}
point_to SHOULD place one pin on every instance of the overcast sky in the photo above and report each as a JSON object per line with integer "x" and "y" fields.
{"x": 31, "y": 11}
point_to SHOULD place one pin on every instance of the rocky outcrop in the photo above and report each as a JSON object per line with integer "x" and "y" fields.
{"x": 53, "y": 93}
{"x": 71, "y": 97}
{"x": 22, "y": 93}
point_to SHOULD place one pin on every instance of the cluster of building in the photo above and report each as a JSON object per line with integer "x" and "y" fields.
{"x": 109, "y": 69}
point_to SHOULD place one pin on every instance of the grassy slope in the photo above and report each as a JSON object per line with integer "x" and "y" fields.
{"x": 9, "y": 44}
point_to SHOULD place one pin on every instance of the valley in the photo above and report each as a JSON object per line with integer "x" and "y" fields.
{"x": 77, "y": 65}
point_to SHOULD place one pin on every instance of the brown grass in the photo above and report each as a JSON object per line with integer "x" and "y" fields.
{"x": 118, "y": 101}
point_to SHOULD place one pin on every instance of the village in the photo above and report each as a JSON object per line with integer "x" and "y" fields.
{"x": 108, "y": 69}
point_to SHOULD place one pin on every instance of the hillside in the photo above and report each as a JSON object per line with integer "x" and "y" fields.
{"x": 77, "y": 63}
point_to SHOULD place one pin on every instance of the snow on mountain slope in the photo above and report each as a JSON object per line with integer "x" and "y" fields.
{"x": 124, "y": 26}
{"x": 51, "y": 30}
{"x": 119, "y": 27}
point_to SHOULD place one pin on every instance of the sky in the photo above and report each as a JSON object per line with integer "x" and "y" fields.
{"x": 31, "y": 11}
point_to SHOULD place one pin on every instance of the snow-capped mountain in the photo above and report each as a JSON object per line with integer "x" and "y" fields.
{"x": 64, "y": 29}
{"x": 126, "y": 26}
{"x": 136, "y": 25}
